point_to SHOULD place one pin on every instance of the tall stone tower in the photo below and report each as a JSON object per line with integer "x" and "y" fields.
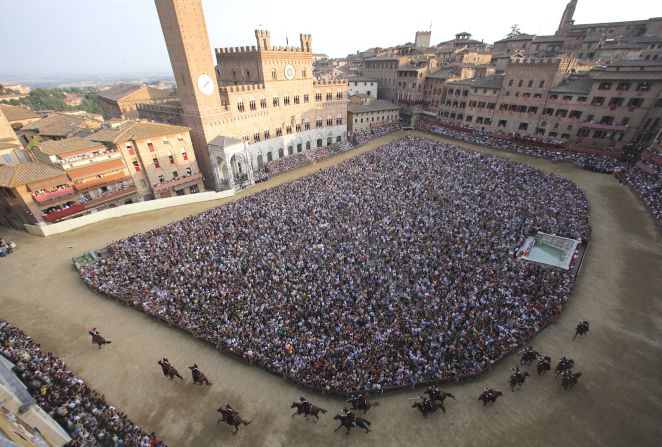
{"x": 566, "y": 19}
{"x": 185, "y": 32}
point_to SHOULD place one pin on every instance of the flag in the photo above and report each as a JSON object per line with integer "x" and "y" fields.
{"x": 287, "y": 41}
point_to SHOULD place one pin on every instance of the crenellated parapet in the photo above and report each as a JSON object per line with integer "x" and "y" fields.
{"x": 330, "y": 82}
{"x": 242, "y": 88}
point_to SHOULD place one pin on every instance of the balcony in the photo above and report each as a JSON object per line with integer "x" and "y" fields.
{"x": 600, "y": 126}
{"x": 110, "y": 197}
{"x": 95, "y": 183}
{"x": 41, "y": 198}
{"x": 176, "y": 182}
{"x": 56, "y": 215}
{"x": 86, "y": 161}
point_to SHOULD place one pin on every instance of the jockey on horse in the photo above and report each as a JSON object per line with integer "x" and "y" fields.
{"x": 198, "y": 376}
{"x": 165, "y": 365}
{"x": 97, "y": 338}
{"x": 582, "y": 328}
{"x": 306, "y": 406}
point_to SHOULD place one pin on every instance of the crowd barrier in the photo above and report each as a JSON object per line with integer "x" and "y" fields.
{"x": 124, "y": 210}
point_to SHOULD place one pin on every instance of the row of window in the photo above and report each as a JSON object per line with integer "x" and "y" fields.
{"x": 624, "y": 86}
{"x": 297, "y": 127}
{"x": 286, "y": 100}
{"x": 529, "y": 84}
{"x": 372, "y": 119}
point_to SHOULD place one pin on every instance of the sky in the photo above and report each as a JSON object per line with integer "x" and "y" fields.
{"x": 115, "y": 37}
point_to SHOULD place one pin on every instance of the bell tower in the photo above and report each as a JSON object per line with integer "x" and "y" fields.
{"x": 567, "y": 18}
{"x": 185, "y": 33}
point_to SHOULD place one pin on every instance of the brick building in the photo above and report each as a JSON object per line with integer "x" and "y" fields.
{"x": 122, "y": 100}
{"x": 263, "y": 94}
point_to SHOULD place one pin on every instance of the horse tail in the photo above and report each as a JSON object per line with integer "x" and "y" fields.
{"x": 246, "y": 422}
{"x": 375, "y": 404}
{"x": 367, "y": 422}
{"x": 323, "y": 410}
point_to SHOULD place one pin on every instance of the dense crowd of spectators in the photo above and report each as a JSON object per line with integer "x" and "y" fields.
{"x": 81, "y": 411}
{"x": 361, "y": 136}
{"x": 649, "y": 187}
{"x": 305, "y": 158}
{"x": 529, "y": 145}
{"x": 394, "y": 267}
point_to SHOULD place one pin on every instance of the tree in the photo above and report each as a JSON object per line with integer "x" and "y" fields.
{"x": 514, "y": 31}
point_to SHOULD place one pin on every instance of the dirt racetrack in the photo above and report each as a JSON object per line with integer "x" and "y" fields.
{"x": 618, "y": 401}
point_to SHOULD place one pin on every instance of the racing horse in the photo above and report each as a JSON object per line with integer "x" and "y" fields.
{"x": 231, "y": 417}
{"x": 349, "y": 422}
{"x": 307, "y": 409}
{"x": 169, "y": 370}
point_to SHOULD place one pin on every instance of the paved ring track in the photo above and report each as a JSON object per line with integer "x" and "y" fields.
{"x": 618, "y": 401}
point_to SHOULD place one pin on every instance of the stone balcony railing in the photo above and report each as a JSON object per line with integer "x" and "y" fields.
{"x": 177, "y": 182}
{"x": 600, "y": 126}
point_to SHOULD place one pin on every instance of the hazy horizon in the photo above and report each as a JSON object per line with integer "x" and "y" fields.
{"x": 123, "y": 38}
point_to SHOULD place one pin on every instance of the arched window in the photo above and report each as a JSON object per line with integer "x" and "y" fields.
{"x": 273, "y": 73}
{"x": 270, "y": 156}
{"x": 263, "y": 102}
{"x": 306, "y": 99}
{"x": 279, "y": 131}
{"x": 319, "y": 121}
{"x": 296, "y": 98}
{"x": 329, "y": 95}
{"x": 251, "y": 104}
{"x": 339, "y": 119}
{"x": 306, "y": 124}
{"x": 338, "y": 94}
{"x": 338, "y": 139}
{"x": 318, "y": 96}
{"x": 266, "y": 134}
{"x": 288, "y": 129}
{"x": 256, "y": 136}
{"x": 240, "y": 104}
{"x": 281, "y": 153}
{"x": 286, "y": 99}
{"x": 329, "y": 120}
{"x": 298, "y": 127}
{"x": 308, "y": 145}
{"x": 303, "y": 73}
{"x": 276, "y": 101}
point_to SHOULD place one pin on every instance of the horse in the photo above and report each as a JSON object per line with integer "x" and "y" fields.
{"x": 309, "y": 410}
{"x": 169, "y": 370}
{"x": 345, "y": 422}
{"x": 570, "y": 379}
{"x": 231, "y": 418}
{"x": 489, "y": 397}
{"x": 439, "y": 395}
{"x": 98, "y": 339}
{"x": 198, "y": 376}
{"x": 428, "y": 409}
{"x": 582, "y": 328}
{"x": 528, "y": 356}
{"x": 544, "y": 365}
{"x": 563, "y": 366}
{"x": 361, "y": 403}
{"x": 517, "y": 379}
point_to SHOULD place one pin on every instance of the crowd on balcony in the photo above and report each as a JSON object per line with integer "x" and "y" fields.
{"x": 524, "y": 144}
{"x": 81, "y": 411}
{"x": 88, "y": 155}
{"x": 362, "y": 136}
{"x": 42, "y": 191}
{"x": 300, "y": 159}
{"x": 394, "y": 267}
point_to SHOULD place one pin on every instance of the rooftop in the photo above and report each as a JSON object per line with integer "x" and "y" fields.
{"x": 573, "y": 86}
{"x": 374, "y": 106}
{"x": 493, "y": 81}
{"x": 518, "y": 37}
{"x": 135, "y": 130}
{"x": 66, "y": 145}
{"x": 24, "y": 173}
{"x": 58, "y": 124}
{"x": 225, "y": 141}
{"x": 17, "y": 113}
{"x": 119, "y": 91}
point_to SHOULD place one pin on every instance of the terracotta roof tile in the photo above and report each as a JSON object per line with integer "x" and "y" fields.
{"x": 24, "y": 173}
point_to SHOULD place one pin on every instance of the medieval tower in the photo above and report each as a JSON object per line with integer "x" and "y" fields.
{"x": 186, "y": 38}
{"x": 567, "y": 19}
